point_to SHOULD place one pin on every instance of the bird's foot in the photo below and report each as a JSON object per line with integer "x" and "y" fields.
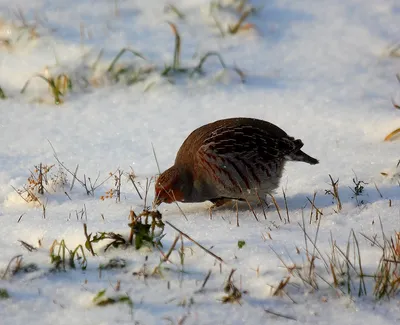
{"x": 217, "y": 203}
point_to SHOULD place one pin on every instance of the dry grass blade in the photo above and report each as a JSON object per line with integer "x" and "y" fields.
{"x": 237, "y": 214}
{"x": 392, "y": 135}
{"x": 17, "y": 259}
{"x": 276, "y": 206}
{"x": 335, "y": 193}
{"x": 262, "y": 205}
{"x": 234, "y": 29}
{"x": 362, "y": 291}
{"x": 279, "y": 315}
{"x": 252, "y": 210}
{"x": 377, "y": 189}
{"x": 177, "y": 50}
{"x": 131, "y": 177}
{"x": 195, "y": 242}
{"x": 166, "y": 257}
{"x": 314, "y": 243}
{"x": 29, "y": 247}
{"x": 313, "y": 205}
{"x": 205, "y": 280}
{"x": 281, "y": 286}
{"x": 286, "y": 205}
{"x": 155, "y": 157}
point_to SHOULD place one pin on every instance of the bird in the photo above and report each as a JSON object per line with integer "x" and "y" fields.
{"x": 238, "y": 158}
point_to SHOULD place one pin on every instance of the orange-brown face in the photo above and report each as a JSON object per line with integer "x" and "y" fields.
{"x": 167, "y": 187}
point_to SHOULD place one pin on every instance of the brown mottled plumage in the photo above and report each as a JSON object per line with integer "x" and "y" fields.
{"x": 236, "y": 158}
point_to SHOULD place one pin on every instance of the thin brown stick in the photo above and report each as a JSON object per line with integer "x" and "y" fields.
{"x": 206, "y": 280}
{"x": 195, "y": 242}
{"x": 286, "y": 205}
{"x": 262, "y": 205}
{"x": 335, "y": 186}
{"x": 237, "y": 214}
{"x": 276, "y": 206}
{"x": 180, "y": 209}
{"x": 313, "y": 205}
{"x": 131, "y": 178}
{"x": 18, "y": 192}
{"x": 29, "y": 247}
{"x": 166, "y": 257}
{"x": 280, "y": 315}
{"x": 252, "y": 210}
{"x": 282, "y": 284}
{"x": 377, "y": 189}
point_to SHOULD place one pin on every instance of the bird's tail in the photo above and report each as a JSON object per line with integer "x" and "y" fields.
{"x": 302, "y": 156}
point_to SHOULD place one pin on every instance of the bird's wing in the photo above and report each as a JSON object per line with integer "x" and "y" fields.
{"x": 249, "y": 143}
{"x": 234, "y": 156}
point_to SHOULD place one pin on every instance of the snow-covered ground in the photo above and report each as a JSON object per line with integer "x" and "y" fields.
{"x": 318, "y": 69}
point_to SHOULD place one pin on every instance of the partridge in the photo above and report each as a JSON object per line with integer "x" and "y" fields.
{"x": 235, "y": 158}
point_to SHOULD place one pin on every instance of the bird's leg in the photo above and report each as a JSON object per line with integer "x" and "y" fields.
{"x": 217, "y": 203}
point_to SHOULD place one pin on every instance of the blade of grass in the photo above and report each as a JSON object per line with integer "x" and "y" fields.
{"x": 177, "y": 49}
{"x": 2, "y": 94}
{"x": 392, "y": 134}
{"x": 135, "y": 53}
{"x": 50, "y": 81}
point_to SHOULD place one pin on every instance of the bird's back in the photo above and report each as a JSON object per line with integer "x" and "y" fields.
{"x": 237, "y": 131}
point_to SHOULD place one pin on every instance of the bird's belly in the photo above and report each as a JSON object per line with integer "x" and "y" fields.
{"x": 251, "y": 184}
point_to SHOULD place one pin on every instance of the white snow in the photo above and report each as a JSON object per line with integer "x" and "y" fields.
{"x": 320, "y": 70}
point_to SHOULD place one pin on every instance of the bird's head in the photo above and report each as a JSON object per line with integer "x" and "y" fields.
{"x": 172, "y": 185}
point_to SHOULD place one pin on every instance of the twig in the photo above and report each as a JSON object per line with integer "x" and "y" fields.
{"x": 280, "y": 315}
{"x": 252, "y": 210}
{"x": 206, "y": 280}
{"x": 313, "y": 205}
{"x": 166, "y": 257}
{"x": 67, "y": 195}
{"x": 286, "y": 205}
{"x": 29, "y": 247}
{"x": 131, "y": 178}
{"x": 195, "y": 242}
